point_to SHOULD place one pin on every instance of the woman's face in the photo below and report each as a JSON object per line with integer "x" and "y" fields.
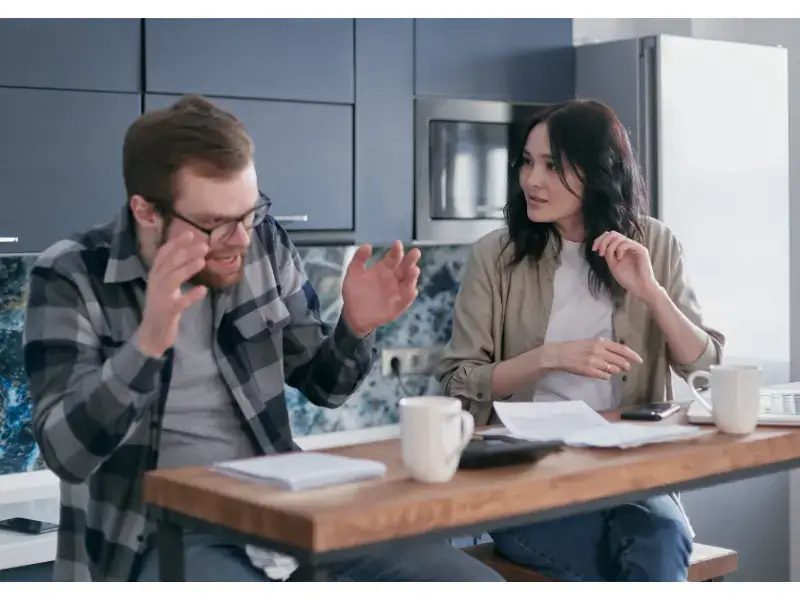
{"x": 547, "y": 199}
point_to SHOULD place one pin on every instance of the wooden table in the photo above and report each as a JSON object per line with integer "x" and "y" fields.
{"x": 324, "y": 526}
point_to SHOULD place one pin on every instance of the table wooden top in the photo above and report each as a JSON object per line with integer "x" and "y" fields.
{"x": 351, "y": 515}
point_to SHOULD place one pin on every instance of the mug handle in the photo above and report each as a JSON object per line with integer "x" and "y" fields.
{"x": 467, "y": 429}
{"x": 690, "y": 380}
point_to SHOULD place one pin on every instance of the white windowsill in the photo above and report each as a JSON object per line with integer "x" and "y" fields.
{"x": 22, "y": 550}
{"x": 24, "y": 487}
{"x": 34, "y": 494}
{"x": 347, "y": 438}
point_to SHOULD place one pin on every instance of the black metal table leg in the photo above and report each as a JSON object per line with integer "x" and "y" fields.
{"x": 169, "y": 544}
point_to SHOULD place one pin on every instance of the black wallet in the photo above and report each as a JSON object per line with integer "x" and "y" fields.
{"x": 500, "y": 451}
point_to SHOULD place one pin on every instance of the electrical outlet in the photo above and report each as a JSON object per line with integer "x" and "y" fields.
{"x": 413, "y": 361}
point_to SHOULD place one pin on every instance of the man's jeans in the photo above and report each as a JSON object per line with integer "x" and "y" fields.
{"x": 208, "y": 559}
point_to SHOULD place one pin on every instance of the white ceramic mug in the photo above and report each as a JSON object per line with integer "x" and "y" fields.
{"x": 735, "y": 396}
{"x": 433, "y": 432}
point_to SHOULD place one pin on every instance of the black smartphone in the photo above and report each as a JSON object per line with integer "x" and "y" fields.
{"x": 31, "y": 526}
{"x": 652, "y": 412}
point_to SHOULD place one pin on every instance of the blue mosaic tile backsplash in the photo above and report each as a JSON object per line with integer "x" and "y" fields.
{"x": 18, "y": 450}
{"x": 427, "y": 323}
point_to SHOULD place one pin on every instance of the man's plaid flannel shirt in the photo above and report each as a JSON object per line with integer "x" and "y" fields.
{"x": 98, "y": 401}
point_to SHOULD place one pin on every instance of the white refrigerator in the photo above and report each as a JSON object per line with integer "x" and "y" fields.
{"x": 710, "y": 123}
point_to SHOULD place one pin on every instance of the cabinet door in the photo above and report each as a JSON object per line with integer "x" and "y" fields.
{"x": 384, "y": 130}
{"x": 304, "y": 158}
{"x": 60, "y": 162}
{"x": 281, "y": 59}
{"x": 495, "y": 59}
{"x": 77, "y": 54}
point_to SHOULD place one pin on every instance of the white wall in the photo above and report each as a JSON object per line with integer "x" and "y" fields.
{"x": 601, "y": 30}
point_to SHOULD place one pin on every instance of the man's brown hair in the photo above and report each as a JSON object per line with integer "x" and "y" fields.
{"x": 192, "y": 131}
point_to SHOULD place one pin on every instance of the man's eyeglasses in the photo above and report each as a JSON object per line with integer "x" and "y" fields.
{"x": 220, "y": 234}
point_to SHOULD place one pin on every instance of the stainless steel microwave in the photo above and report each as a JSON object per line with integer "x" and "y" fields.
{"x": 462, "y": 150}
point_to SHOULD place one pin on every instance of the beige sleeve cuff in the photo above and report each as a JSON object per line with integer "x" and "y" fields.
{"x": 473, "y": 385}
{"x": 710, "y": 356}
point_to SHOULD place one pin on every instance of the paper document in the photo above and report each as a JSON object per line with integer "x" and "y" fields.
{"x": 302, "y": 470}
{"x": 576, "y": 424}
{"x": 542, "y": 421}
{"x": 631, "y": 435}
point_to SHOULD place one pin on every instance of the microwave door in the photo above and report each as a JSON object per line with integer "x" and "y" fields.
{"x": 462, "y": 152}
{"x": 455, "y": 157}
{"x": 495, "y": 173}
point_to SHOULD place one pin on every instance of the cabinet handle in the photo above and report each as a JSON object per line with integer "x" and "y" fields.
{"x": 8, "y": 240}
{"x": 293, "y": 218}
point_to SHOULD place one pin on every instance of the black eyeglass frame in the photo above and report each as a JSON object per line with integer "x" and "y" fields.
{"x": 263, "y": 205}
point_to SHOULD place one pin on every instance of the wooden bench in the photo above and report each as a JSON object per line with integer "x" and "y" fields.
{"x": 709, "y": 563}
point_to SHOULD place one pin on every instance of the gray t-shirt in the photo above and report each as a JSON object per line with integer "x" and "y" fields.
{"x": 201, "y": 424}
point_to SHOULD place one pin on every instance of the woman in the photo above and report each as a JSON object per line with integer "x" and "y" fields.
{"x": 584, "y": 297}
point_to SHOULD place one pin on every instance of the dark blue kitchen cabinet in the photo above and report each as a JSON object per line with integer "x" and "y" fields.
{"x": 495, "y": 59}
{"x": 77, "y": 54}
{"x": 279, "y": 59}
{"x": 304, "y": 157}
{"x": 60, "y": 162}
{"x": 384, "y": 117}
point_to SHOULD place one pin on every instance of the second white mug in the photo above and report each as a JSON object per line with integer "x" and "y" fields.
{"x": 735, "y": 396}
{"x": 433, "y": 432}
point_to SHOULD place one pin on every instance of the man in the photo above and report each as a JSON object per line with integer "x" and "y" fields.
{"x": 164, "y": 338}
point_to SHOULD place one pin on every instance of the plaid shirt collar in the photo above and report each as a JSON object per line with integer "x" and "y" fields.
{"x": 124, "y": 262}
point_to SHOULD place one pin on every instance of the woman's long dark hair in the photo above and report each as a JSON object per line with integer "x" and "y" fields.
{"x": 587, "y": 137}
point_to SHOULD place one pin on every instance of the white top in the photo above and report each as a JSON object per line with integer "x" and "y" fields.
{"x": 578, "y": 315}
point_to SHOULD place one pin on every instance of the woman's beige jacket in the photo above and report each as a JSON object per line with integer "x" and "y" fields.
{"x": 501, "y": 313}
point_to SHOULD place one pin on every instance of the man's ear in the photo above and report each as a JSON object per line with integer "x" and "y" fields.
{"x": 144, "y": 213}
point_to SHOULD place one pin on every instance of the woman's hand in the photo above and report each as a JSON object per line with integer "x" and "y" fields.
{"x": 591, "y": 358}
{"x": 629, "y": 263}
{"x": 596, "y": 358}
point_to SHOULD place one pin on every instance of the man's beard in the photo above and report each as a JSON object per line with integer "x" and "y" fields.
{"x": 207, "y": 277}
{"x": 218, "y": 281}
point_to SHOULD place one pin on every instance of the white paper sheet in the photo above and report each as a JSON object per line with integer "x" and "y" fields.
{"x": 542, "y": 421}
{"x": 631, "y": 435}
{"x": 302, "y": 470}
{"x": 577, "y": 424}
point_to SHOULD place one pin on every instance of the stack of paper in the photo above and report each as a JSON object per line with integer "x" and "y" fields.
{"x": 302, "y": 470}
{"x": 576, "y": 424}
{"x": 631, "y": 435}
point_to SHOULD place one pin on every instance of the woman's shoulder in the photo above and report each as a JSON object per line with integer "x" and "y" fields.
{"x": 491, "y": 246}
{"x": 660, "y": 240}
{"x": 657, "y": 232}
